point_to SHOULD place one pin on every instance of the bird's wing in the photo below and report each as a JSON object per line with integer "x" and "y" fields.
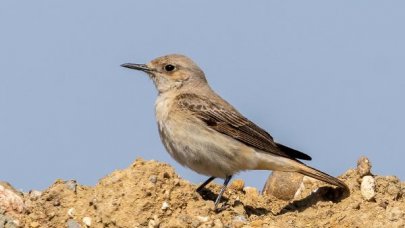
{"x": 233, "y": 124}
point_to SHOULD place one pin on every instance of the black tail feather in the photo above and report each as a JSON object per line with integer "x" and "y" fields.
{"x": 293, "y": 153}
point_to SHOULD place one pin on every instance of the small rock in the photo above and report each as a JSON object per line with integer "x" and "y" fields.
{"x": 176, "y": 182}
{"x": 203, "y": 218}
{"x": 251, "y": 191}
{"x": 363, "y": 166}
{"x": 238, "y": 221}
{"x": 154, "y": 223}
{"x": 283, "y": 185}
{"x": 237, "y": 185}
{"x": 10, "y": 199}
{"x": 87, "y": 221}
{"x": 165, "y": 205}
{"x": 35, "y": 194}
{"x": 71, "y": 185}
{"x": 257, "y": 223}
{"x": 71, "y": 223}
{"x": 383, "y": 204}
{"x": 56, "y": 202}
{"x": 71, "y": 212}
{"x": 368, "y": 188}
{"x": 34, "y": 224}
{"x": 355, "y": 205}
{"x": 153, "y": 179}
{"x": 394, "y": 214}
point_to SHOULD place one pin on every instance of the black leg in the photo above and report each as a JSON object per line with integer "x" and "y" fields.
{"x": 205, "y": 183}
{"x": 227, "y": 179}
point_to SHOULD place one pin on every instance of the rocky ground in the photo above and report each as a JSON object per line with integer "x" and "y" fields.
{"x": 151, "y": 194}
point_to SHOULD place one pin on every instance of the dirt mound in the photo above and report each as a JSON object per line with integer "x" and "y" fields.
{"x": 151, "y": 194}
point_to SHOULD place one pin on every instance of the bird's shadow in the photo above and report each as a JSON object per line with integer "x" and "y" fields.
{"x": 325, "y": 193}
{"x": 321, "y": 194}
{"x": 207, "y": 194}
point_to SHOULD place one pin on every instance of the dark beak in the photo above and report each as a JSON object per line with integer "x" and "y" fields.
{"x": 141, "y": 67}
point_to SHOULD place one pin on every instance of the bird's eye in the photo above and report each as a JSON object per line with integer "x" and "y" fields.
{"x": 169, "y": 67}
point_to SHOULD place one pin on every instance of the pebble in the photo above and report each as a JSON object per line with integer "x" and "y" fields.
{"x": 87, "y": 221}
{"x": 251, "y": 191}
{"x": 237, "y": 185}
{"x": 71, "y": 223}
{"x": 34, "y": 224}
{"x": 153, "y": 179}
{"x": 165, "y": 205}
{"x": 10, "y": 199}
{"x": 394, "y": 214}
{"x": 203, "y": 218}
{"x": 283, "y": 185}
{"x": 35, "y": 194}
{"x": 71, "y": 212}
{"x": 71, "y": 185}
{"x": 363, "y": 166}
{"x": 368, "y": 188}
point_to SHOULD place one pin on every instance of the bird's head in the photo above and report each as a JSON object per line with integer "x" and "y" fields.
{"x": 171, "y": 72}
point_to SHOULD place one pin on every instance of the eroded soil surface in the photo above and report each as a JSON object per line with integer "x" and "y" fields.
{"x": 151, "y": 194}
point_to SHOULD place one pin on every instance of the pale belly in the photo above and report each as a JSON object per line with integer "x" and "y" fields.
{"x": 204, "y": 150}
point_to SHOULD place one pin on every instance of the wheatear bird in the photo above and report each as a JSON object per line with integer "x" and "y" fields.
{"x": 202, "y": 131}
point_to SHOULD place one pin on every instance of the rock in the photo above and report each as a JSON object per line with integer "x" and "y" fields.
{"x": 154, "y": 223}
{"x": 363, "y": 166}
{"x": 394, "y": 214}
{"x": 34, "y": 194}
{"x": 34, "y": 224}
{"x": 87, "y": 221}
{"x": 71, "y": 223}
{"x": 251, "y": 191}
{"x": 71, "y": 185}
{"x": 203, "y": 218}
{"x": 8, "y": 222}
{"x": 165, "y": 206}
{"x": 283, "y": 185}
{"x": 237, "y": 185}
{"x": 153, "y": 179}
{"x": 71, "y": 212}
{"x": 10, "y": 199}
{"x": 368, "y": 188}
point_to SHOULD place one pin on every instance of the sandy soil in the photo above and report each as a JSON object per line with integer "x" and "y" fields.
{"x": 151, "y": 194}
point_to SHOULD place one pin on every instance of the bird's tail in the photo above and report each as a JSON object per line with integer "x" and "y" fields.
{"x": 314, "y": 173}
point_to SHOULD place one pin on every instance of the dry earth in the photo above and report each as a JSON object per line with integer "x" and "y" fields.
{"x": 151, "y": 194}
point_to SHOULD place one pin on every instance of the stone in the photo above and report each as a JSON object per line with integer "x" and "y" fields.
{"x": 71, "y": 212}
{"x": 394, "y": 214}
{"x": 153, "y": 179}
{"x": 237, "y": 185}
{"x": 10, "y": 199}
{"x": 34, "y": 224}
{"x": 368, "y": 188}
{"x": 165, "y": 206}
{"x": 71, "y": 223}
{"x": 71, "y": 185}
{"x": 283, "y": 185}
{"x": 364, "y": 166}
{"x": 35, "y": 194}
{"x": 87, "y": 221}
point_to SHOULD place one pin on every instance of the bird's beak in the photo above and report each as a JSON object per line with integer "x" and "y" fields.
{"x": 141, "y": 67}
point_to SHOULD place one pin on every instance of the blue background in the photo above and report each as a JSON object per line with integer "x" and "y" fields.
{"x": 325, "y": 77}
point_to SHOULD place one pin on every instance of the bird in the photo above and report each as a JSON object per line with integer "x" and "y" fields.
{"x": 205, "y": 133}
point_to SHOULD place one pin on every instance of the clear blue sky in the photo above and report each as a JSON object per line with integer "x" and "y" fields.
{"x": 325, "y": 77}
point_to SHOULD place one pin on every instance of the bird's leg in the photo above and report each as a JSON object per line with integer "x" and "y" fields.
{"x": 204, "y": 184}
{"x": 227, "y": 179}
